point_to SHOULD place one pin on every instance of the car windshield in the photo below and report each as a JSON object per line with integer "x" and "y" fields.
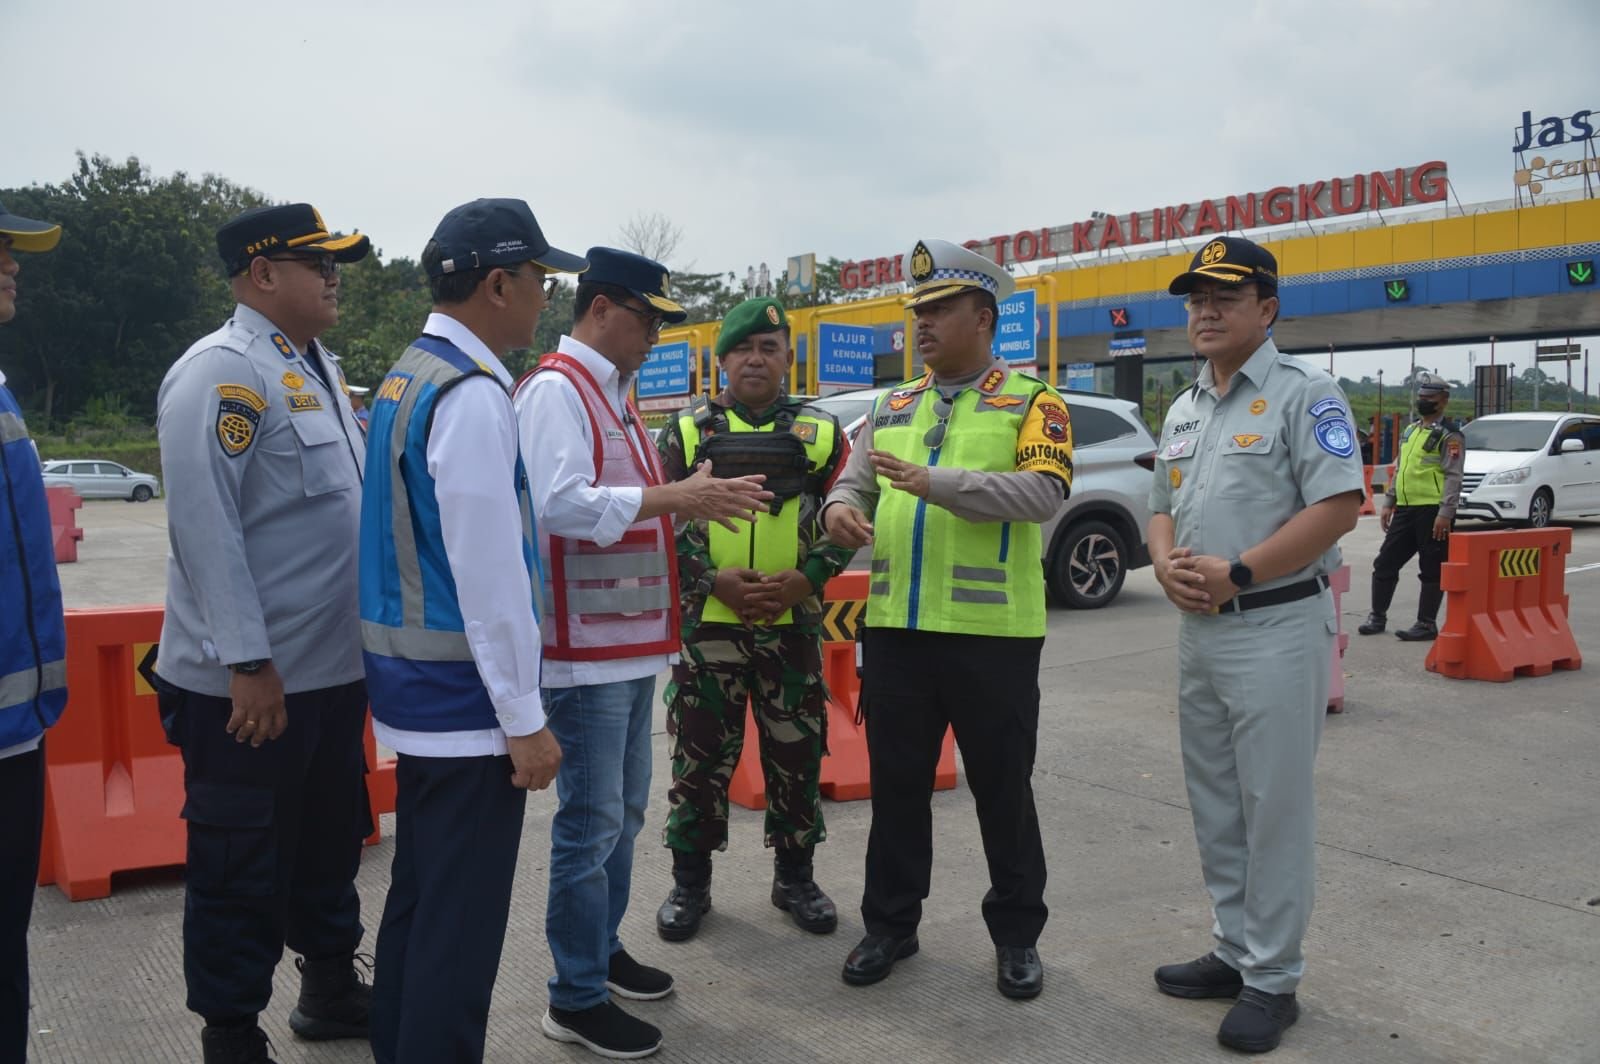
{"x": 847, "y": 406}
{"x": 1507, "y": 434}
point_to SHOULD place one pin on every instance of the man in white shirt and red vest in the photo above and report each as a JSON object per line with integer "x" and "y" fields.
{"x": 610, "y": 622}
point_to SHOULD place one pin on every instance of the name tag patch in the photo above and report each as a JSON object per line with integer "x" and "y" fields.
{"x": 301, "y": 402}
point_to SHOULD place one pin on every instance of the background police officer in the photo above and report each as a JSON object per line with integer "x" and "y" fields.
{"x": 259, "y": 664}
{"x": 33, "y": 652}
{"x": 1418, "y": 510}
{"x": 1257, "y": 479}
{"x": 752, "y": 624}
{"x": 958, "y": 468}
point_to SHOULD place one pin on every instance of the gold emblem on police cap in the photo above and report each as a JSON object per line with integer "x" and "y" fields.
{"x": 772, "y": 314}
{"x": 1214, "y": 252}
{"x": 921, "y": 263}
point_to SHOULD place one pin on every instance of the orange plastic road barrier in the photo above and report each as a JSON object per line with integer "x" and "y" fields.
{"x": 846, "y": 776}
{"x": 1339, "y": 581}
{"x": 1505, "y": 606}
{"x": 64, "y": 530}
{"x": 113, "y": 785}
{"x": 1366, "y": 491}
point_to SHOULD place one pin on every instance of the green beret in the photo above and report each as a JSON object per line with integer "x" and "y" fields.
{"x": 748, "y": 318}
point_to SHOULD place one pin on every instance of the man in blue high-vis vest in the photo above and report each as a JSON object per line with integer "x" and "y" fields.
{"x": 33, "y": 658}
{"x": 450, "y": 630}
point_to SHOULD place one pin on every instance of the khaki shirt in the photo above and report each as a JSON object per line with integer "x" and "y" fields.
{"x": 1231, "y": 470}
{"x": 262, "y": 465}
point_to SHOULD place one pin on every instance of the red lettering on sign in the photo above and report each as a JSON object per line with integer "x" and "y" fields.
{"x": 1206, "y": 220}
{"x": 1429, "y": 184}
{"x": 1242, "y": 215}
{"x": 1000, "y": 243}
{"x": 1045, "y": 251}
{"x": 849, "y": 276}
{"x": 1380, "y": 188}
{"x": 899, "y": 273}
{"x": 1112, "y": 233}
{"x": 1155, "y": 225}
{"x": 1082, "y": 237}
{"x": 1175, "y": 227}
{"x": 1025, "y": 246}
{"x": 1309, "y": 207}
{"x": 1358, "y": 202}
{"x": 1133, "y": 231}
{"x": 1277, "y": 207}
{"x": 972, "y": 245}
{"x": 885, "y": 271}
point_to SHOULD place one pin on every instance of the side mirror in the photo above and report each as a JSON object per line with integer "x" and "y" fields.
{"x": 1571, "y": 444}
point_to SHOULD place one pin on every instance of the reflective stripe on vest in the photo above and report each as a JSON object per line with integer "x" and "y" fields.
{"x": 420, "y": 672}
{"x": 12, "y": 428}
{"x": 19, "y": 687}
{"x": 618, "y": 601}
{"x": 771, "y": 543}
{"x": 931, "y": 570}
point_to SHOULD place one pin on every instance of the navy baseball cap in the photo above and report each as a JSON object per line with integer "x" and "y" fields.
{"x": 1229, "y": 260}
{"x": 280, "y": 230}
{"x": 493, "y": 232}
{"x": 27, "y": 234}
{"x": 645, "y": 278}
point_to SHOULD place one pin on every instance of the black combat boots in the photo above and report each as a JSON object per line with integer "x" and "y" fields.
{"x": 234, "y": 1044}
{"x": 679, "y": 916}
{"x": 334, "y": 999}
{"x": 795, "y": 892}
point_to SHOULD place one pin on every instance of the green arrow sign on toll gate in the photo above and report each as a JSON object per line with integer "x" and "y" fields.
{"x": 1398, "y": 290}
{"x": 1581, "y": 272}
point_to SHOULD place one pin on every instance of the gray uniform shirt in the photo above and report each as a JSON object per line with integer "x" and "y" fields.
{"x": 1232, "y": 470}
{"x": 263, "y": 465}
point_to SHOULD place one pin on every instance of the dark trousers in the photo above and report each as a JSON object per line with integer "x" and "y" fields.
{"x": 1410, "y": 534}
{"x": 274, "y": 841}
{"x": 458, "y": 824}
{"x": 21, "y": 825}
{"x": 914, "y": 684}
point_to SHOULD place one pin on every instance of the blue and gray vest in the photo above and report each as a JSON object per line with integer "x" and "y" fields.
{"x": 420, "y": 672}
{"x": 33, "y": 633}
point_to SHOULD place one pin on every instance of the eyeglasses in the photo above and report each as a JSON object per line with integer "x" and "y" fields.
{"x": 652, "y": 322}
{"x": 1225, "y": 300}
{"x": 323, "y": 264}
{"x": 935, "y": 436}
{"x": 548, "y": 284}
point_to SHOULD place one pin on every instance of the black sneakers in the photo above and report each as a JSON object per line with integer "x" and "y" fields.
{"x": 245, "y": 1044}
{"x": 604, "y": 1029}
{"x": 1208, "y": 977}
{"x": 1375, "y": 623}
{"x": 1257, "y": 1021}
{"x": 639, "y": 982}
{"x": 334, "y": 998}
{"x": 1421, "y": 632}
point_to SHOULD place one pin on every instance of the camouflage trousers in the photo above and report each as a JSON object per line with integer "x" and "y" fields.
{"x": 779, "y": 671}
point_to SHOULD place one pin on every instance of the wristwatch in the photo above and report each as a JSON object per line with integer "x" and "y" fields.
{"x": 249, "y": 668}
{"x": 1239, "y": 574}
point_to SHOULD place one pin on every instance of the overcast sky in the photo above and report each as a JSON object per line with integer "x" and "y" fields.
{"x": 843, "y": 128}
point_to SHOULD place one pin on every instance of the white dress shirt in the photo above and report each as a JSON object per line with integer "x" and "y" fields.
{"x": 472, "y": 454}
{"x": 558, "y": 451}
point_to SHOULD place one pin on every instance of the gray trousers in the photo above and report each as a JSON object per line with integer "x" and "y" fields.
{"x": 1252, "y": 695}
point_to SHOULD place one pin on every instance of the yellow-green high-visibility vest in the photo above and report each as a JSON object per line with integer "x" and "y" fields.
{"x": 1419, "y": 480}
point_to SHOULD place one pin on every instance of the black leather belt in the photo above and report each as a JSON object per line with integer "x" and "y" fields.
{"x": 1276, "y": 596}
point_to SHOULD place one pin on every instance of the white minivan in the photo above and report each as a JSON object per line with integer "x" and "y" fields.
{"x": 1529, "y": 468}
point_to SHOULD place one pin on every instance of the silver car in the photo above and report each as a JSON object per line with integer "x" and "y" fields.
{"x": 96, "y": 478}
{"x": 1099, "y": 534}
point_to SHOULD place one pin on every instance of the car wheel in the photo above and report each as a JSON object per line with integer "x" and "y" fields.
{"x": 1540, "y": 508}
{"x": 1088, "y": 566}
{"x": 142, "y": 493}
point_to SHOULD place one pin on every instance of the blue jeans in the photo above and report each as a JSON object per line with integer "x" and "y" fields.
{"x": 603, "y": 786}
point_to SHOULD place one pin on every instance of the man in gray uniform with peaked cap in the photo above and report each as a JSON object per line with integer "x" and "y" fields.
{"x": 1257, "y": 477}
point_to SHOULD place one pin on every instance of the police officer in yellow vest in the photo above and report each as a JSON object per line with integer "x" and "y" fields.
{"x": 957, "y": 469}
{"x": 1418, "y": 511}
{"x": 752, "y": 615}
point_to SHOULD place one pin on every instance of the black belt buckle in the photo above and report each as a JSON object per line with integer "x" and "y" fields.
{"x": 1276, "y": 596}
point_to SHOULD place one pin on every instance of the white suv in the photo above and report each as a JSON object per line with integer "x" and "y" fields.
{"x": 1530, "y": 468}
{"x": 1099, "y": 534}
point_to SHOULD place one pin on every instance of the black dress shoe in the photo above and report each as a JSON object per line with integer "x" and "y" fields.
{"x": 1257, "y": 1021}
{"x": 1375, "y": 623}
{"x": 1421, "y": 632}
{"x": 796, "y": 893}
{"x": 1208, "y": 977}
{"x": 874, "y": 957}
{"x": 1018, "y": 971}
{"x": 679, "y": 916}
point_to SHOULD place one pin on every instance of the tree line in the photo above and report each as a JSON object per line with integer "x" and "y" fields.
{"x": 136, "y": 279}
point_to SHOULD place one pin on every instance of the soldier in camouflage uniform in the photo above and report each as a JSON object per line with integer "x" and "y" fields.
{"x": 752, "y": 615}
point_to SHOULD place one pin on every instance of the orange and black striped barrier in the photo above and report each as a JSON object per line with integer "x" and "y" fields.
{"x": 1505, "y": 606}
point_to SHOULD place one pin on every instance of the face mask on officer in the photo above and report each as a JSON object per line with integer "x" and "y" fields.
{"x": 1426, "y": 406}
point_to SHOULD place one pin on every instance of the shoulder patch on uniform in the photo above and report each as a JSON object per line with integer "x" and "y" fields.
{"x": 1454, "y": 447}
{"x": 804, "y": 431}
{"x": 302, "y": 401}
{"x": 992, "y": 381}
{"x": 1324, "y": 407}
{"x": 281, "y": 342}
{"x": 1336, "y": 435}
{"x": 239, "y": 392}
{"x": 238, "y": 414}
{"x": 1056, "y": 419}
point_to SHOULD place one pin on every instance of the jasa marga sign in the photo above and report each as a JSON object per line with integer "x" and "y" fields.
{"x": 1554, "y": 130}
